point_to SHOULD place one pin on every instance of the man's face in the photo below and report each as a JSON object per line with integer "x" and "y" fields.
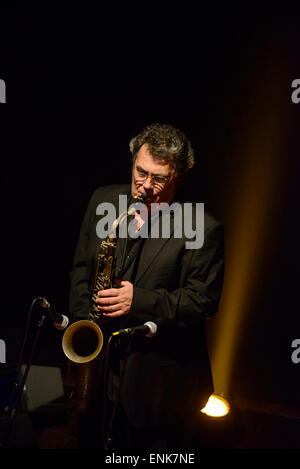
{"x": 154, "y": 178}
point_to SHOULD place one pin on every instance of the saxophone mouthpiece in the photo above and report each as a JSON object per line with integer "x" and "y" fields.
{"x": 141, "y": 198}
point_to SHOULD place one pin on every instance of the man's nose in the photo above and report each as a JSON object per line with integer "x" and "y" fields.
{"x": 148, "y": 183}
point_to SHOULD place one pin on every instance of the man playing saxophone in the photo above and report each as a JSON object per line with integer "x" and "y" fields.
{"x": 158, "y": 382}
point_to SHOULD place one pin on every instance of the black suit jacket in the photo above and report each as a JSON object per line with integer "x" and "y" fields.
{"x": 168, "y": 377}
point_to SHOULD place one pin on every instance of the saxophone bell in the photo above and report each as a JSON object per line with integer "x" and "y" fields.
{"x": 82, "y": 342}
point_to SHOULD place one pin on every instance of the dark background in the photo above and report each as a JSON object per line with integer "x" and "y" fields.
{"x": 65, "y": 130}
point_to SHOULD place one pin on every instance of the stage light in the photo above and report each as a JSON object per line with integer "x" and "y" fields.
{"x": 216, "y": 406}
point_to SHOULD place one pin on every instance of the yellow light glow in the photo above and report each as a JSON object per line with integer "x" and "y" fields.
{"x": 216, "y": 406}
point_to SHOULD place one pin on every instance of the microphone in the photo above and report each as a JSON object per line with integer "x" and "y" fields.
{"x": 148, "y": 329}
{"x": 60, "y": 321}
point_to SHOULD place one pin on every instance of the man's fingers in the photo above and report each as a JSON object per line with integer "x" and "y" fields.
{"x": 108, "y": 292}
{"x": 110, "y": 308}
{"x": 106, "y": 301}
{"x": 115, "y": 302}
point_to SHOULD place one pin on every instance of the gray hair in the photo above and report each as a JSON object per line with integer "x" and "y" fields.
{"x": 165, "y": 142}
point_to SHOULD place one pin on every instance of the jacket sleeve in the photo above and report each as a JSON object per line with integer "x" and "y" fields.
{"x": 197, "y": 298}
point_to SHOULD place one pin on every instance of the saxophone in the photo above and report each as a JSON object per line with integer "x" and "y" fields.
{"x": 84, "y": 339}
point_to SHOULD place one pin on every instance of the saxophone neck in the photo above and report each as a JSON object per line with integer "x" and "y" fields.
{"x": 118, "y": 221}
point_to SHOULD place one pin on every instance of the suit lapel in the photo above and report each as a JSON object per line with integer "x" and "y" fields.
{"x": 153, "y": 247}
{"x": 120, "y": 255}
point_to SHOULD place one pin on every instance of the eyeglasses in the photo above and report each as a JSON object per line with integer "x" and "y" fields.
{"x": 142, "y": 176}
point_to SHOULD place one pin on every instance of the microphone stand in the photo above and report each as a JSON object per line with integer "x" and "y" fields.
{"x": 107, "y": 437}
{"x": 17, "y": 391}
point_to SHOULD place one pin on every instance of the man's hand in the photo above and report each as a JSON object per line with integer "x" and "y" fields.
{"x": 115, "y": 302}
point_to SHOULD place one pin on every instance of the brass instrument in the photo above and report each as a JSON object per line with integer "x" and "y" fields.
{"x": 84, "y": 339}
{"x": 82, "y": 342}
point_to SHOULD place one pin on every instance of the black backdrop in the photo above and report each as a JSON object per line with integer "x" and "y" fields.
{"x": 65, "y": 130}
